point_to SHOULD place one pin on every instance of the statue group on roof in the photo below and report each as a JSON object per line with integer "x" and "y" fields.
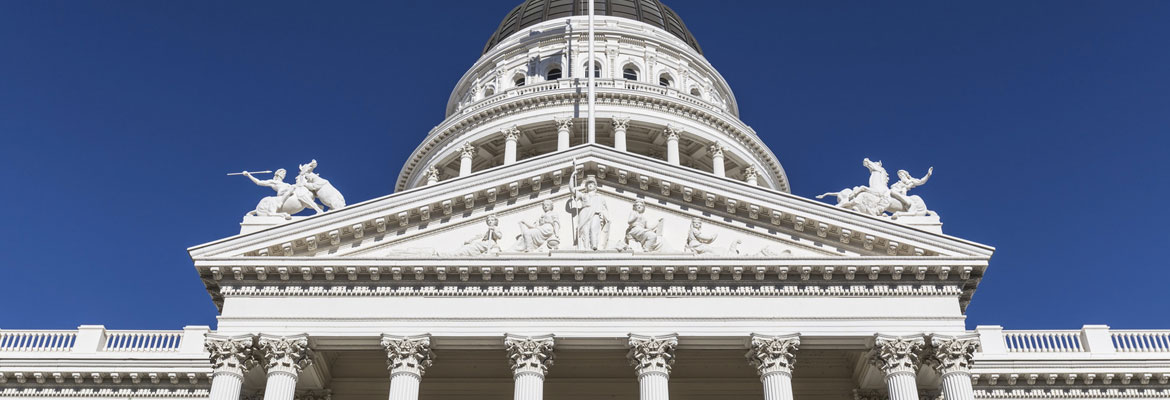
{"x": 293, "y": 198}
{"x": 879, "y": 198}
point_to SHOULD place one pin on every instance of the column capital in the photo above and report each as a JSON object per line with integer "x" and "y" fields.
{"x": 529, "y": 354}
{"x": 290, "y": 354}
{"x": 408, "y": 354}
{"x": 564, "y": 122}
{"x": 770, "y": 354}
{"x": 432, "y": 174}
{"x": 894, "y": 354}
{"x": 750, "y": 173}
{"x": 231, "y": 354}
{"x": 671, "y": 132}
{"x": 952, "y": 353}
{"x": 716, "y": 149}
{"x": 511, "y": 133}
{"x": 621, "y": 123}
{"x": 650, "y": 354}
{"x": 467, "y": 150}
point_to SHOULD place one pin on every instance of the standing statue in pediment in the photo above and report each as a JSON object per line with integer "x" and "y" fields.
{"x": 639, "y": 230}
{"x": 542, "y": 233}
{"x": 592, "y": 216}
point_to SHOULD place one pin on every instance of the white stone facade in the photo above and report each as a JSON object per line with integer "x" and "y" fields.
{"x": 665, "y": 260}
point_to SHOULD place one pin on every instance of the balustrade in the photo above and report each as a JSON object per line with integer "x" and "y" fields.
{"x": 1043, "y": 341}
{"x": 1091, "y": 339}
{"x": 1145, "y": 341}
{"x": 96, "y": 339}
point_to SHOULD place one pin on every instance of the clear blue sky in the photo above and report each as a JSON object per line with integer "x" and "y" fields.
{"x": 1046, "y": 121}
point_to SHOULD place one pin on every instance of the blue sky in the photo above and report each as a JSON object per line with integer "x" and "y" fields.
{"x": 1046, "y": 121}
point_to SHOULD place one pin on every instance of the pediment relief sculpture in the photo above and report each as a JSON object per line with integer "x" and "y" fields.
{"x": 543, "y": 233}
{"x": 879, "y": 198}
{"x": 293, "y": 198}
{"x": 591, "y": 216}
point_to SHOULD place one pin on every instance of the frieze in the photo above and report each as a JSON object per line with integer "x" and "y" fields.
{"x": 593, "y": 290}
{"x": 102, "y": 392}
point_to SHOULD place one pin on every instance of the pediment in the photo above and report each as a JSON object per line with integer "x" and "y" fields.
{"x": 439, "y": 220}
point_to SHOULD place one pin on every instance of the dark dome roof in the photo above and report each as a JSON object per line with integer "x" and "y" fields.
{"x": 532, "y": 12}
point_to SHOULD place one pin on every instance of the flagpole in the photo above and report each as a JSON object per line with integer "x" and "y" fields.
{"x": 592, "y": 135}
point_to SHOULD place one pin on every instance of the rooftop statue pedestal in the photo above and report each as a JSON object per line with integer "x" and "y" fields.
{"x": 929, "y": 223}
{"x": 252, "y": 223}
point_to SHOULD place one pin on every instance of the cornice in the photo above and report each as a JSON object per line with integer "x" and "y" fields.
{"x": 472, "y": 290}
{"x": 102, "y": 392}
{"x": 1075, "y": 393}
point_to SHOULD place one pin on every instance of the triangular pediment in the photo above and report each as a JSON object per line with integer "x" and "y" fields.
{"x": 442, "y": 219}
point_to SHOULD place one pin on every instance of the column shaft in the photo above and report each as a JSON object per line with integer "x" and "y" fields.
{"x": 902, "y": 385}
{"x": 404, "y": 386}
{"x": 654, "y": 385}
{"x": 529, "y": 386}
{"x": 672, "y": 149}
{"x": 562, "y": 138}
{"x": 717, "y": 164}
{"x": 777, "y": 385}
{"x": 957, "y": 386}
{"x": 619, "y": 139}
{"x": 464, "y": 166}
{"x": 282, "y": 385}
{"x": 226, "y": 385}
{"x": 509, "y": 151}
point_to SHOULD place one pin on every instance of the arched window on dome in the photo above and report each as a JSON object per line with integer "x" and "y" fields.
{"x": 630, "y": 72}
{"x": 553, "y": 73}
{"x": 518, "y": 80}
{"x": 596, "y": 69}
{"x": 665, "y": 80}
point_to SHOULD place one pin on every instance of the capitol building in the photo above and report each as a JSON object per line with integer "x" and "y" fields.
{"x": 591, "y": 220}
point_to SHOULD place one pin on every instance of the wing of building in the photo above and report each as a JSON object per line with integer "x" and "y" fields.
{"x": 646, "y": 259}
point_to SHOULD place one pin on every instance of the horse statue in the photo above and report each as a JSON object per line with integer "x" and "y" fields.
{"x": 878, "y": 197}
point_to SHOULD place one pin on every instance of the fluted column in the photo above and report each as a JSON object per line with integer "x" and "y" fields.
{"x": 407, "y": 359}
{"x": 951, "y": 357}
{"x": 564, "y": 124}
{"x": 773, "y": 357}
{"x": 465, "y": 155}
{"x": 284, "y": 358}
{"x": 432, "y": 176}
{"x": 751, "y": 175}
{"x": 717, "y": 159}
{"x": 511, "y": 136}
{"x": 231, "y": 357}
{"x": 672, "y": 144}
{"x": 898, "y": 358}
{"x": 652, "y": 357}
{"x": 530, "y": 357}
{"x": 619, "y": 132}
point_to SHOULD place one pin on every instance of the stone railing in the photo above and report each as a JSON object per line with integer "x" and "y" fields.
{"x": 610, "y": 83}
{"x": 36, "y": 341}
{"x": 92, "y": 339}
{"x": 1091, "y": 339}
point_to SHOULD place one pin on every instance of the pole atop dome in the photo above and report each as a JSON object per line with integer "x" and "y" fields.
{"x": 589, "y": 69}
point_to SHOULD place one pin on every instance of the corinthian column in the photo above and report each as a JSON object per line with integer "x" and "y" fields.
{"x": 432, "y": 176}
{"x": 652, "y": 357}
{"x": 407, "y": 359}
{"x": 530, "y": 357}
{"x": 563, "y": 126}
{"x": 898, "y": 358}
{"x": 619, "y": 132}
{"x": 717, "y": 159}
{"x": 284, "y": 358}
{"x": 951, "y": 357}
{"x": 773, "y": 358}
{"x": 465, "y": 154}
{"x": 511, "y": 136}
{"x": 672, "y": 144}
{"x": 751, "y": 175}
{"x": 231, "y": 357}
